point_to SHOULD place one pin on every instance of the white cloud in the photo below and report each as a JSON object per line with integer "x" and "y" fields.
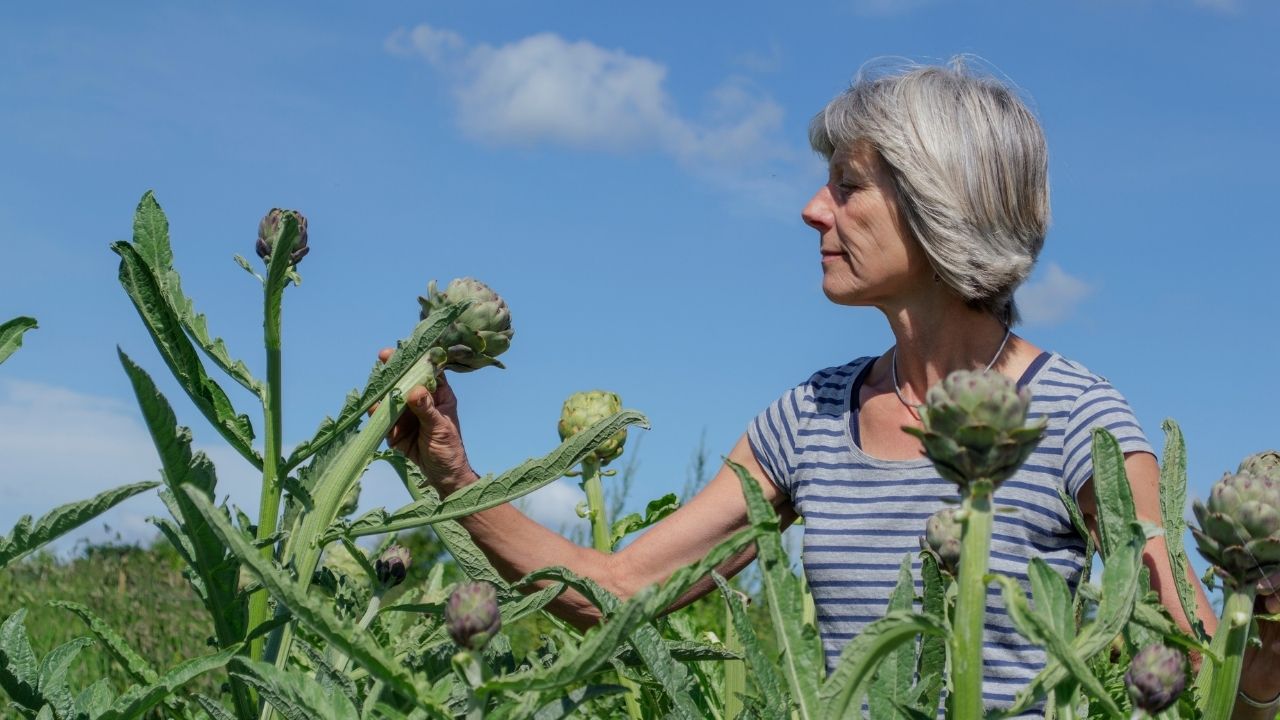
{"x": 1052, "y": 297}
{"x": 555, "y": 505}
{"x": 546, "y": 89}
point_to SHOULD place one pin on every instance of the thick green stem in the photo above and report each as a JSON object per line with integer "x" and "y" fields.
{"x": 1218, "y": 691}
{"x": 304, "y": 548}
{"x": 735, "y": 671}
{"x": 269, "y": 506}
{"x": 971, "y": 606}
{"x": 591, "y": 484}
{"x": 602, "y": 540}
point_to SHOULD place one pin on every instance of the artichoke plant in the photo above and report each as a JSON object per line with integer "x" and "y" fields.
{"x": 1156, "y": 677}
{"x": 471, "y": 614}
{"x": 975, "y": 427}
{"x": 1263, "y": 464}
{"x": 481, "y": 333}
{"x": 1240, "y": 527}
{"x": 270, "y": 228}
{"x": 584, "y": 409}
{"x": 942, "y": 535}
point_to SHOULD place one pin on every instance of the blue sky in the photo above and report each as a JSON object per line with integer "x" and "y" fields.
{"x": 630, "y": 177}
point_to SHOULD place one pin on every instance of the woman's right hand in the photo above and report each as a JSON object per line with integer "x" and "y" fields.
{"x": 428, "y": 433}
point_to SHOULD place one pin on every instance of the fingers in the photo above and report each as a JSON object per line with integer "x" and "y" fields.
{"x": 385, "y": 354}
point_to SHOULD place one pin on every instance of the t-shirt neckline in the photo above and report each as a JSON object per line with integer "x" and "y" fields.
{"x": 1028, "y": 377}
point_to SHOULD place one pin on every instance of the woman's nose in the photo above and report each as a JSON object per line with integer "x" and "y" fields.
{"x": 817, "y": 213}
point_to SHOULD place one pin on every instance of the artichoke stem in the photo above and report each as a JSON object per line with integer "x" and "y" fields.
{"x": 1218, "y": 691}
{"x": 594, "y": 488}
{"x": 272, "y": 485}
{"x": 971, "y": 606}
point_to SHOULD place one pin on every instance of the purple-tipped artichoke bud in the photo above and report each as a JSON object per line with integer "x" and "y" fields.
{"x": 585, "y": 409}
{"x": 942, "y": 535}
{"x": 1157, "y": 676}
{"x": 1239, "y": 529}
{"x": 270, "y": 229}
{"x": 481, "y": 333}
{"x": 975, "y": 427}
{"x": 471, "y": 614}
{"x": 393, "y": 566}
{"x": 1264, "y": 464}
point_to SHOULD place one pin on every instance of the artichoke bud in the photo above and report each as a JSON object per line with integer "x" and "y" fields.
{"x": 942, "y": 534}
{"x": 976, "y": 429}
{"x": 584, "y": 409}
{"x": 270, "y": 229}
{"x": 480, "y": 334}
{"x": 1265, "y": 464}
{"x": 393, "y": 566}
{"x": 471, "y": 614}
{"x": 1156, "y": 677}
{"x": 1239, "y": 530}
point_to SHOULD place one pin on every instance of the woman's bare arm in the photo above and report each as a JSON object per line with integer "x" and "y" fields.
{"x": 428, "y": 432}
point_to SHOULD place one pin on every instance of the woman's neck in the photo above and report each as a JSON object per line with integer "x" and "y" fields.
{"x": 933, "y": 341}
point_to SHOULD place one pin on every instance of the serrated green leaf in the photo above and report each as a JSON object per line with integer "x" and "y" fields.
{"x": 169, "y": 335}
{"x": 933, "y": 648}
{"x": 19, "y": 669}
{"x": 1039, "y": 630}
{"x": 382, "y": 379}
{"x": 27, "y": 536}
{"x": 1052, "y": 599}
{"x": 648, "y": 644}
{"x": 861, "y": 656}
{"x": 801, "y": 660}
{"x": 891, "y": 684}
{"x": 218, "y": 573}
{"x": 138, "y": 701}
{"x": 1173, "y": 508}
{"x": 764, "y": 671}
{"x": 491, "y": 491}
{"x": 654, "y": 512}
{"x": 214, "y": 708}
{"x": 294, "y": 695}
{"x": 11, "y": 335}
{"x": 1111, "y": 486}
{"x": 329, "y": 676}
{"x": 95, "y": 699}
{"x": 151, "y": 240}
{"x": 356, "y": 643}
{"x": 53, "y": 686}
{"x": 137, "y": 667}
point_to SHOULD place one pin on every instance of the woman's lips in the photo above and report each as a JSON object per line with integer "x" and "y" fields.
{"x": 831, "y": 257}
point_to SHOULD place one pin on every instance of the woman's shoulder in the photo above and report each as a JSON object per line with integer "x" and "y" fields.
{"x": 1061, "y": 376}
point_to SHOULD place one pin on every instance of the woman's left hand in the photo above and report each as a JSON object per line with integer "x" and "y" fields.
{"x": 1260, "y": 679}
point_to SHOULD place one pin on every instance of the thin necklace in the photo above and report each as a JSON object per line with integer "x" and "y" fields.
{"x": 894, "y": 367}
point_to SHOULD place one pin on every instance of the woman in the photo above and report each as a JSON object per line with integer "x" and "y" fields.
{"x": 935, "y": 209}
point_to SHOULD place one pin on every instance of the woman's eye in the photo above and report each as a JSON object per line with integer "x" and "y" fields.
{"x": 847, "y": 188}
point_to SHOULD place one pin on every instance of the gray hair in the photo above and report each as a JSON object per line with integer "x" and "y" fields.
{"x": 970, "y": 167}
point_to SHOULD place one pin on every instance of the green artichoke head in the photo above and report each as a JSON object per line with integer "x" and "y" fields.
{"x": 480, "y": 334}
{"x": 942, "y": 534}
{"x": 1263, "y": 464}
{"x": 272, "y": 227}
{"x": 585, "y": 409}
{"x": 393, "y": 565}
{"x": 1156, "y": 677}
{"x": 976, "y": 429}
{"x": 471, "y": 614}
{"x": 1240, "y": 527}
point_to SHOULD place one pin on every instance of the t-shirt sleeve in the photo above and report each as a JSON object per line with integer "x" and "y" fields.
{"x": 772, "y": 438}
{"x": 1099, "y": 406}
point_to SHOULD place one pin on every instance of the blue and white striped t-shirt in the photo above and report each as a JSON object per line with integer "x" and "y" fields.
{"x": 863, "y": 514}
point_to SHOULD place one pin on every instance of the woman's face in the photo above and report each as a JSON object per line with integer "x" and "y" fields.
{"x": 868, "y": 254}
